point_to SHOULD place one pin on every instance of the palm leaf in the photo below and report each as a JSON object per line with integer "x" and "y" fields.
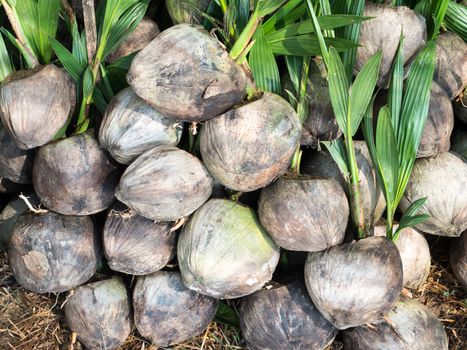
{"x": 6, "y": 66}
{"x": 336, "y": 149}
{"x": 71, "y": 64}
{"x": 292, "y": 11}
{"x": 456, "y": 19}
{"x": 396, "y": 87}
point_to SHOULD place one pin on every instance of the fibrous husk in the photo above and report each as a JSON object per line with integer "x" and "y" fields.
{"x": 383, "y": 33}
{"x": 355, "y": 283}
{"x": 165, "y": 184}
{"x": 185, "y": 73}
{"x": 186, "y": 11}
{"x": 305, "y": 213}
{"x": 136, "y": 245}
{"x": 443, "y": 180}
{"x": 459, "y": 143}
{"x": 224, "y": 252}
{"x": 409, "y": 325}
{"x": 166, "y": 312}
{"x": 460, "y": 107}
{"x": 451, "y": 63}
{"x": 73, "y": 176}
{"x": 100, "y": 314}
{"x": 250, "y": 146}
{"x": 35, "y": 105}
{"x": 131, "y": 127}
{"x": 53, "y": 253}
{"x": 458, "y": 258}
{"x": 284, "y": 318}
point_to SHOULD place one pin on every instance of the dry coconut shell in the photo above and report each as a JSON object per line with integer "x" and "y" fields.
{"x": 165, "y": 184}
{"x": 186, "y": 73}
{"x": 131, "y": 127}
{"x": 53, "y": 253}
{"x": 187, "y": 11}
{"x": 458, "y": 258}
{"x": 298, "y": 214}
{"x": 166, "y": 312}
{"x": 443, "y": 180}
{"x": 451, "y": 63}
{"x": 355, "y": 283}
{"x": 460, "y": 107}
{"x": 35, "y": 105}
{"x": 135, "y": 245}
{"x": 100, "y": 314}
{"x": 73, "y": 176}
{"x": 459, "y": 143}
{"x": 284, "y": 318}
{"x": 250, "y": 146}
{"x": 224, "y": 252}
{"x": 408, "y": 326}
{"x": 383, "y": 33}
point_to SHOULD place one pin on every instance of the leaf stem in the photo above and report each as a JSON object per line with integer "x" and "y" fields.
{"x": 245, "y": 37}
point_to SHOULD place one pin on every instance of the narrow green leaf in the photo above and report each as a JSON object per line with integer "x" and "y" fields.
{"x": 396, "y": 86}
{"x": 123, "y": 63}
{"x": 20, "y": 48}
{"x": 307, "y": 45}
{"x": 105, "y": 84}
{"x": 338, "y": 89}
{"x": 287, "y": 14}
{"x": 266, "y": 7}
{"x": 88, "y": 82}
{"x": 415, "y": 206}
{"x": 6, "y": 66}
{"x": 319, "y": 34}
{"x": 439, "y": 12}
{"x": 48, "y": 12}
{"x": 338, "y": 152}
{"x": 99, "y": 100}
{"x": 68, "y": 61}
{"x": 294, "y": 67}
{"x": 226, "y": 314}
{"x": 456, "y": 19}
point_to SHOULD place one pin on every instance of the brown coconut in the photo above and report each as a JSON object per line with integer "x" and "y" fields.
{"x": 186, "y": 11}
{"x": 35, "y": 105}
{"x": 165, "y": 184}
{"x": 166, "y": 312}
{"x": 53, "y": 253}
{"x": 299, "y": 215}
{"x": 250, "y": 146}
{"x": 100, "y": 314}
{"x": 284, "y": 318}
{"x": 458, "y": 258}
{"x": 443, "y": 180}
{"x": 73, "y": 176}
{"x": 186, "y": 73}
{"x": 355, "y": 283}
{"x": 131, "y": 127}
{"x": 459, "y": 143}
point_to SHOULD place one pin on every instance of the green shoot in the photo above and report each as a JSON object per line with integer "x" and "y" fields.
{"x": 456, "y": 19}
{"x": 6, "y": 66}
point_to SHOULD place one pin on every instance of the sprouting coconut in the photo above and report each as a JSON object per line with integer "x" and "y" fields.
{"x": 446, "y": 204}
{"x": 250, "y": 146}
{"x": 460, "y": 107}
{"x": 409, "y": 325}
{"x": 305, "y": 213}
{"x": 35, "y": 105}
{"x": 186, "y": 73}
{"x": 284, "y": 318}
{"x": 224, "y": 252}
{"x": 131, "y": 127}
{"x": 53, "y": 253}
{"x": 459, "y": 143}
{"x": 136, "y": 245}
{"x": 73, "y": 176}
{"x": 355, "y": 283}
{"x": 383, "y": 33}
{"x": 458, "y": 258}
{"x": 166, "y": 312}
{"x": 100, "y": 314}
{"x": 187, "y": 11}
{"x": 165, "y": 184}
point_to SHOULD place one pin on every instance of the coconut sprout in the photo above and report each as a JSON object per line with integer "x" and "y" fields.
{"x": 284, "y": 318}
{"x": 224, "y": 252}
{"x": 187, "y": 65}
{"x": 100, "y": 314}
{"x": 50, "y": 252}
{"x": 131, "y": 127}
{"x": 73, "y": 176}
{"x": 166, "y": 312}
{"x": 136, "y": 245}
{"x": 298, "y": 214}
{"x": 188, "y": 11}
{"x": 447, "y": 204}
{"x": 250, "y": 146}
{"x": 409, "y": 325}
{"x": 458, "y": 258}
{"x": 165, "y": 183}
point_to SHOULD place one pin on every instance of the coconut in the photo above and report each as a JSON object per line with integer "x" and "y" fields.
{"x": 415, "y": 255}
{"x": 53, "y": 253}
{"x": 459, "y": 143}
{"x": 73, "y": 176}
{"x": 409, "y": 325}
{"x": 451, "y": 63}
{"x": 382, "y": 33}
{"x": 458, "y": 258}
{"x": 136, "y": 245}
{"x": 250, "y": 146}
{"x": 165, "y": 184}
{"x": 35, "y": 105}
{"x": 187, "y": 11}
{"x": 187, "y": 65}
{"x": 446, "y": 204}
{"x": 224, "y": 252}
{"x": 100, "y": 314}
{"x": 460, "y": 107}
{"x": 355, "y": 283}
{"x": 284, "y": 318}
{"x": 131, "y": 127}
{"x": 299, "y": 215}
{"x": 166, "y": 312}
